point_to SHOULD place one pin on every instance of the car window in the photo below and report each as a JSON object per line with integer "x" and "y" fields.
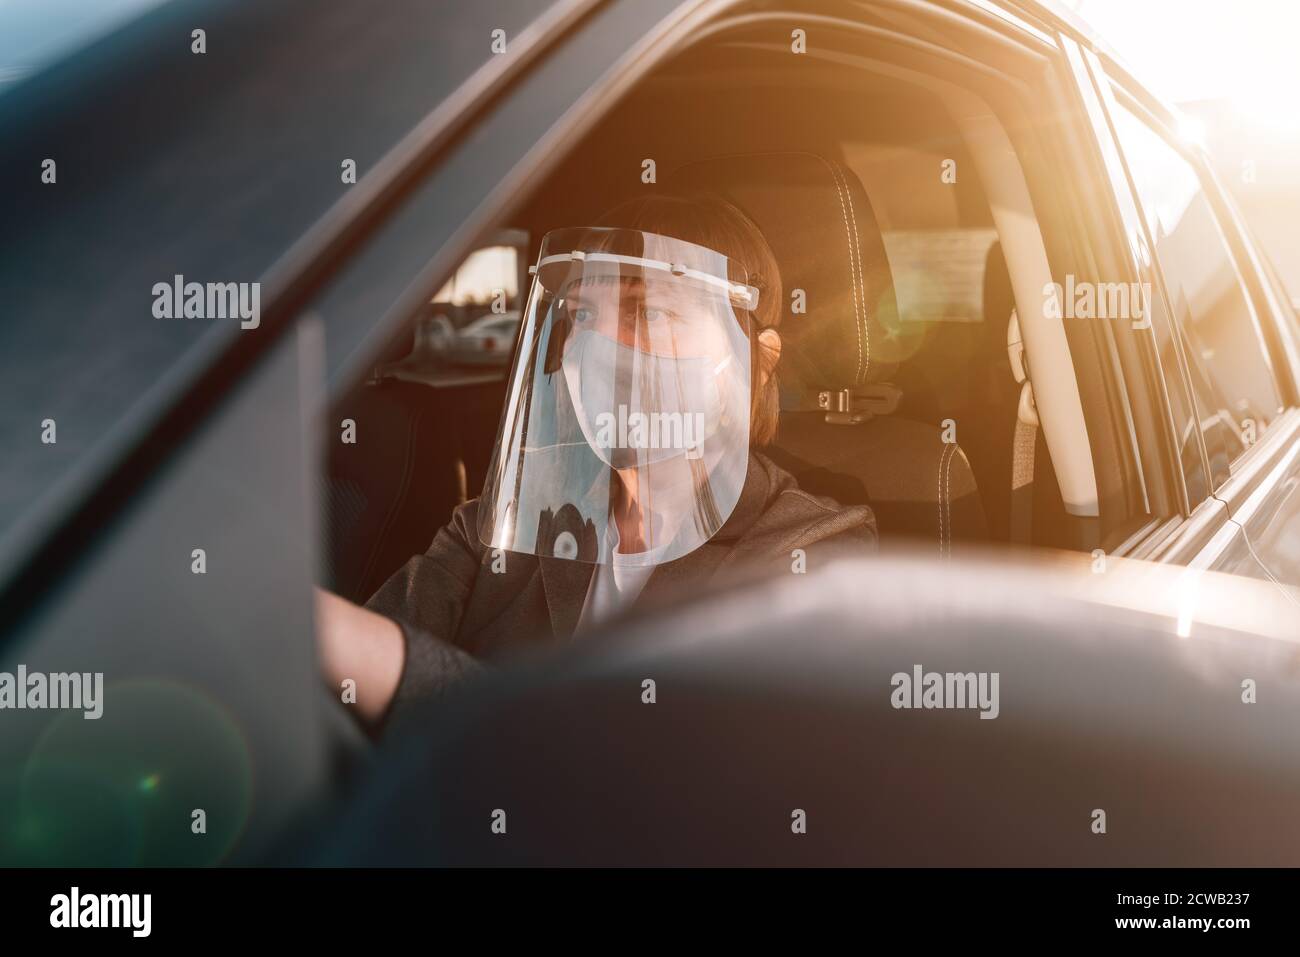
{"x": 1231, "y": 375}
{"x": 486, "y": 274}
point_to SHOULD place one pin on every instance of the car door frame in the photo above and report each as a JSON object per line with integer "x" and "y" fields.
{"x": 1264, "y": 476}
{"x": 1182, "y": 523}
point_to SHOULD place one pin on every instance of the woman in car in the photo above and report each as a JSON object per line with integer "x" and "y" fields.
{"x": 628, "y": 468}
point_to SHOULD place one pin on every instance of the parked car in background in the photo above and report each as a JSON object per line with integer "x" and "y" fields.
{"x": 487, "y": 340}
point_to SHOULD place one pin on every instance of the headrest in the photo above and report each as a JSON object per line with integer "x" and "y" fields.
{"x": 816, "y": 217}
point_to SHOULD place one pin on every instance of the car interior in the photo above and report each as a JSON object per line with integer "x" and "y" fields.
{"x": 899, "y": 388}
{"x": 918, "y": 205}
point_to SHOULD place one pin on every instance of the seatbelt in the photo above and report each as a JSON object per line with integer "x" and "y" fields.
{"x": 855, "y": 405}
{"x": 1024, "y": 440}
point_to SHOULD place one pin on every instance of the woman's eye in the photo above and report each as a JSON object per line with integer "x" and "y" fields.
{"x": 657, "y": 315}
{"x": 583, "y": 314}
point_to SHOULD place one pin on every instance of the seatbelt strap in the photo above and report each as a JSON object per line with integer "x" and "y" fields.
{"x": 1022, "y": 481}
{"x": 1023, "y": 442}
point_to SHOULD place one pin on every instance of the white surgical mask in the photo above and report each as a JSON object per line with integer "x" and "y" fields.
{"x": 678, "y": 420}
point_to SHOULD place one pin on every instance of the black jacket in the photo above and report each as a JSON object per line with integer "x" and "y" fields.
{"x": 456, "y": 613}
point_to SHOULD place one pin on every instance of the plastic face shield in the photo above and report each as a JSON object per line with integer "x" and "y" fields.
{"x": 625, "y": 433}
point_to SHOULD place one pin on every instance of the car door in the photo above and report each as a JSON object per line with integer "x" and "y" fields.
{"x": 1224, "y": 363}
{"x": 167, "y": 539}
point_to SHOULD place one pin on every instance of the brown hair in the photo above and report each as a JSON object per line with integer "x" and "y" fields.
{"x": 709, "y": 220}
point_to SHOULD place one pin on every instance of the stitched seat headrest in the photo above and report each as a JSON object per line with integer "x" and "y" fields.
{"x": 816, "y": 217}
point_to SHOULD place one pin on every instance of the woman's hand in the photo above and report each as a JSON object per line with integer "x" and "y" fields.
{"x": 357, "y": 644}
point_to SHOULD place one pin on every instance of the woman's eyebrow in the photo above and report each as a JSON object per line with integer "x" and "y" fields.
{"x": 675, "y": 294}
{"x": 575, "y": 287}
